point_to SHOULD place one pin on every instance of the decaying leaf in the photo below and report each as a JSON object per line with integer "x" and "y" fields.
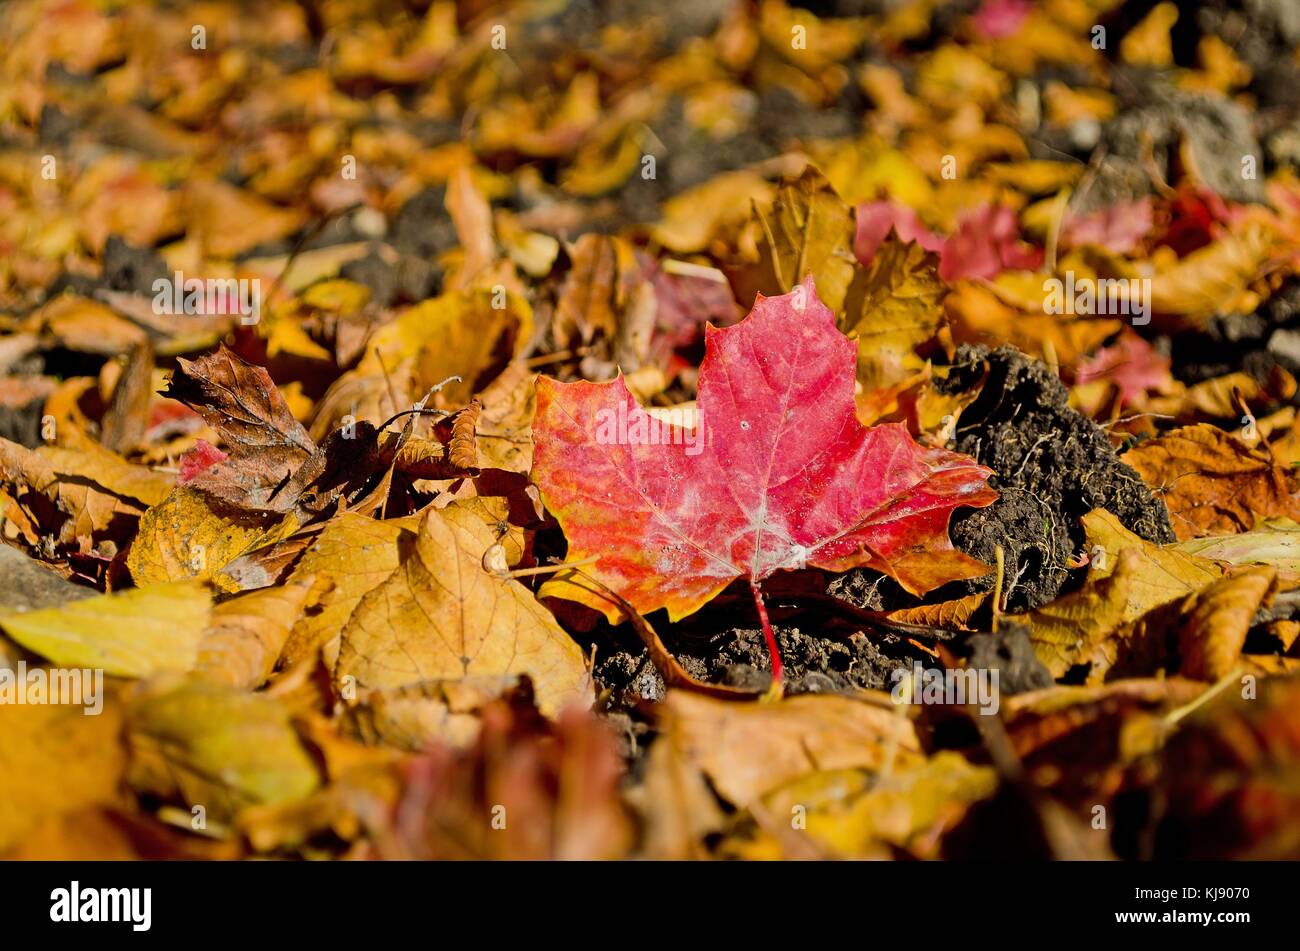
{"x": 748, "y": 750}
{"x": 266, "y": 443}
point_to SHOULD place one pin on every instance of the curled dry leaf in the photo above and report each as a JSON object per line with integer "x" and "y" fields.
{"x": 1216, "y": 621}
{"x": 265, "y": 441}
{"x": 596, "y": 291}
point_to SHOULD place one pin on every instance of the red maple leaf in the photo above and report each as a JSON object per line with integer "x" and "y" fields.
{"x": 875, "y": 218}
{"x": 986, "y": 243}
{"x": 1132, "y": 364}
{"x": 1120, "y": 228}
{"x": 774, "y": 473}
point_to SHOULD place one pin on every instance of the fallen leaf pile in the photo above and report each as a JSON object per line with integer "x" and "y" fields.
{"x": 552, "y": 430}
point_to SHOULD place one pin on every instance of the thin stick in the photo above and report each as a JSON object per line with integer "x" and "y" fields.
{"x": 547, "y": 569}
{"x": 559, "y": 356}
{"x": 997, "y": 586}
{"x": 1129, "y": 419}
{"x": 1206, "y": 696}
{"x": 413, "y": 412}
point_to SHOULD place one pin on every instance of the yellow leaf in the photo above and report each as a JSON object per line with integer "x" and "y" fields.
{"x": 808, "y": 230}
{"x": 1149, "y": 43}
{"x": 1174, "y": 573}
{"x": 893, "y": 305}
{"x": 1128, "y": 577}
{"x": 950, "y": 615}
{"x": 1214, "y": 279}
{"x": 692, "y": 219}
{"x": 134, "y": 633}
{"x": 54, "y": 759}
{"x": 354, "y": 554}
{"x": 244, "y": 640}
{"x": 442, "y": 616}
{"x": 852, "y": 812}
{"x": 863, "y": 169}
{"x": 338, "y": 296}
{"x": 596, "y": 290}
{"x": 458, "y": 334}
{"x": 187, "y": 536}
{"x": 229, "y": 220}
{"x": 221, "y": 748}
{"x": 103, "y": 467}
{"x": 1275, "y": 542}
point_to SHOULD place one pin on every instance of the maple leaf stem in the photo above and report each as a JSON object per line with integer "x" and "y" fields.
{"x": 778, "y": 671}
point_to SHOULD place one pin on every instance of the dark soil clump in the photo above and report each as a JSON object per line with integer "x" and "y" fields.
{"x": 1009, "y": 651}
{"x": 1051, "y": 466}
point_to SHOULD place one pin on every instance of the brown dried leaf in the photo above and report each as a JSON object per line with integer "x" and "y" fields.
{"x": 749, "y": 749}
{"x": 1212, "y": 482}
{"x": 239, "y": 400}
{"x": 595, "y": 291}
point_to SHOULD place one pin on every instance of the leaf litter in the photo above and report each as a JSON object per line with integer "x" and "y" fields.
{"x": 541, "y": 431}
